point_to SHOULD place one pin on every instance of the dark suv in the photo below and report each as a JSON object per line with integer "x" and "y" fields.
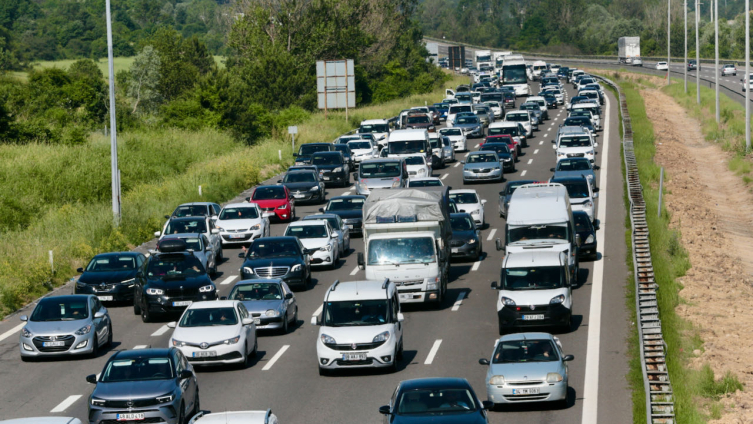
{"x": 333, "y": 169}
{"x": 277, "y": 257}
{"x": 303, "y": 157}
{"x": 112, "y": 276}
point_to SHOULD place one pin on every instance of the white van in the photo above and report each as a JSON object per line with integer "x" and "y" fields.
{"x": 455, "y": 109}
{"x": 380, "y": 128}
{"x": 538, "y": 67}
{"x": 574, "y": 142}
{"x": 402, "y": 143}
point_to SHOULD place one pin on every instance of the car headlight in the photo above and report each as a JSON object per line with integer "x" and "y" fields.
{"x": 219, "y": 227}
{"x": 296, "y": 267}
{"x": 507, "y": 301}
{"x": 396, "y": 184}
{"x": 83, "y": 330}
{"x": 255, "y": 227}
{"x": 234, "y": 340}
{"x": 421, "y": 171}
{"x": 362, "y": 186}
{"x": 560, "y": 154}
{"x": 26, "y": 333}
{"x": 285, "y": 206}
{"x": 338, "y": 169}
{"x": 589, "y": 204}
{"x": 326, "y": 248}
{"x": 553, "y": 377}
{"x": 507, "y": 159}
{"x": 557, "y": 299}
{"x": 381, "y": 337}
{"x": 497, "y": 168}
{"x": 471, "y": 241}
{"x": 80, "y": 285}
{"x": 497, "y": 380}
{"x": 432, "y": 283}
{"x": 327, "y": 339}
{"x": 475, "y": 212}
{"x": 590, "y": 152}
{"x": 315, "y": 188}
{"x": 165, "y": 398}
{"x": 155, "y": 292}
{"x": 206, "y": 289}
{"x": 97, "y": 402}
{"x": 590, "y": 239}
{"x": 248, "y": 270}
{"x": 177, "y": 343}
{"x": 129, "y": 281}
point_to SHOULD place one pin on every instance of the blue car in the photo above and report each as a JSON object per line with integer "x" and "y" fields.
{"x": 576, "y": 167}
{"x": 435, "y": 400}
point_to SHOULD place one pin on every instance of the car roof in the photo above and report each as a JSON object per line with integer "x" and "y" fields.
{"x": 526, "y": 336}
{"x": 463, "y": 190}
{"x": 536, "y": 204}
{"x": 214, "y": 304}
{"x": 426, "y": 179}
{"x": 435, "y": 383}
{"x": 276, "y": 239}
{"x": 153, "y": 352}
{"x": 241, "y": 205}
{"x": 257, "y": 281}
{"x": 235, "y": 417}
{"x": 109, "y": 254}
{"x": 308, "y": 223}
{"x": 361, "y": 289}
{"x": 533, "y": 258}
{"x": 65, "y": 297}
{"x": 374, "y": 121}
{"x": 196, "y": 204}
{"x": 568, "y": 180}
{"x": 349, "y": 196}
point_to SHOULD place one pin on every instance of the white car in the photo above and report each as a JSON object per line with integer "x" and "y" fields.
{"x": 467, "y": 200}
{"x": 557, "y": 94}
{"x": 425, "y": 182}
{"x": 362, "y": 150}
{"x": 521, "y": 117}
{"x": 749, "y": 84}
{"x": 417, "y": 166}
{"x": 662, "y": 66}
{"x": 242, "y": 223}
{"x": 361, "y": 326}
{"x": 540, "y": 101}
{"x": 235, "y": 417}
{"x": 496, "y": 108}
{"x": 456, "y": 136}
{"x": 317, "y": 235}
{"x": 453, "y": 110}
{"x": 575, "y": 143}
{"x": 215, "y": 333}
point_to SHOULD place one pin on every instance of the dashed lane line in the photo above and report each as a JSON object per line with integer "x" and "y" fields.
{"x": 542, "y": 141}
{"x": 318, "y": 310}
{"x": 458, "y": 302}
{"x": 530, "y": 161}
{"x": 475, "y": 266}
{"x": 228, "y": 280}
{"x": 444, "y": 176}
{"x": 162, "y": 330}
{"x": 275, "y": 358}
{"x": 12, "y": 331}
{"x": 433, "y": 352}
{"x": 137, "y": 347}
{"x": 355, "y": 271}
{"x": 476, "y": 146}
{"x": 70, "y": 400}
{"x": 456, "y": 165}
{"x": 491, "y": 234}
{"x": 522, "y": 174}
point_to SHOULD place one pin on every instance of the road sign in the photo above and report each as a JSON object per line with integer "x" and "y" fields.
{"x": 335, "y": 84}
{"x": 292, "y": 130}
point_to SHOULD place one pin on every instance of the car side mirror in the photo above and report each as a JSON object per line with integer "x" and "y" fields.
{"x": 157, "y": 233}
{"x": 554, "y": 146}
{"x": 91, "y": 378}
{"x": 172, "y": 324}
{"x": 400, "y": 317}
{"x": 493, "y": 285}
{"x": 597, "y": 167}
{"x": 483, "y": 201}
{"x": 242, "y": 255}
{"x": 247, "y": 321}
{"x": 24, "y": 318}
{"x": 361, "y": 261}
{"x": 316, "y": 320}
{"x": 79, "y": 270}
{"x": 483, "y": 361}
{"x": 596, "y": 195}
{"x": 568, "y": 358}
{"x": 295, "y": 155}
{"x": 223, "y": 297}
{"x": 501, "y": 193}
{"x": 551, "y": 169}
{"x": 213, "y": 217}
{"x": 185, "y": 374}
{"x": 498, "y": 244}
{"x": 215, "y": 231}
{"x": 596, "y": 144}
{"x": 279, "y": 181}
{"x": 99, "y": 314}
{"x": 167, "y": 216}
{"x": 462, "y": 162}
{"x": 321, "y": 210}
{"x": 289, "y": 296}
{"x": 384, "y": 410}
{"x": 488, "y": 405}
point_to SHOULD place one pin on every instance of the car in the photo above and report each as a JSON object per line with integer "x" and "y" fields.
{"x": 580, "y": 121}
{"x": 577, "y": 100}
{"x": 505, "y": 155}
{"x": 434, "y": 400}
{"x": 349, "y": 208}
{"x": 441, "y": 109}
{"x": 191, "y": 225}
{"x": 594, "y": 95}
{"x": 175, "y": 278}
{"x": 509, "y": 99}
{"x": 303, "y": 168}
{"x": 419, "y": 120}
{"x": 360, "y": 326}
{"x": 747, "y": 84}
{"x": 454, "y": 110}
{"x": 442, "y": 150}
{"x": 347, "y": 156}
{"x": 144, "y": 385}
{"x": 215, "y": 333}
{"x": 197, "y": 209}
{"x": 464, "y": 98}
{"x": 344, "y": 139}
{"x": 557, "y": 93}
{"x": 662, "y": 66}
{"x": 467, "y": 200}
{"x": 111, "y": 276}
{"x": 514, "y": 129}
{"x": 527, "y": 367}
{"x": 200, "y": 246}
{"x": 536, "y": 116}
{"x": 637, "y": 61}
{"x": 513, "y": 145}
{"x": 275, "y": 201}
{"x": 728, "y": 69}
{"x": 506, "y": 194}
{"x": 466, "y": 237}
{"x": 303, "y": 157}
{"x": 305, "y": 186}
{"x": 363, "y": 150}
{"x": 551, "y": 100}
{"x": 576, "y": 167}
{"x": 320, "y": 239}
{"x": 71, "y": 325}
{"x": 333, "y": 168}
{"x": 482, "y": 166}
{"x": 586, "y": 229}
{"x": 562, "y": 72}
{"x": 277, "y": 257}
{"x": 541, "y": 101}
{"x": 379, "y": 128}
{"x": 581, "y": 194}
{"x": 436, "y": 114}
{"x": 457, "y": 138}
{"x": 484, "y": 113}
{"x": 574, "y": 142}
{"x": 497, "y": 107}
{"x": 381, "y": 173}
{"x": 241, "y": 223}
{"x": 471, "y": 126}
{"x": 235, "y": 417}
{"x": 338, "y": 226}
{"x": 417, "y": 166}
{"x": 522, "y": 117}
{"x": 427, "y": 110}
{"x": 588, "y": 114}
{"x": 425, "y": 182}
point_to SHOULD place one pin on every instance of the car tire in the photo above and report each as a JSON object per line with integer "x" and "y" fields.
{"x": 109, "y": 336}
{"x": 323, "y": 372}
{"x": 256, "y": 348}
{"x": 196, "y": 404}
{"x": 213, "y": 271}
{"x": 136, "y": 307}
{"x": 246, "y": 358}
{"x": 27, "y": 358}
{"x": 95, "y": 347}
{"x": 181, "y": 418}
{"x": 502, "y": 329}
{"x": 308, "y": 280}
{"x": 393, "y": 368}
{"x": 219, "y": 258}
{"x": 565, "y": 328}
{"x": 146, "y": 316}
{"x": 480, "y": 251}
{"x": 285, "y": 328}
{"x": 295, "y": 316}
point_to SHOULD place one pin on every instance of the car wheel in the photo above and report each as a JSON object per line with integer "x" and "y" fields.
{"x": 323, "y": 372}
{"x": 213, "y": 270}
{"x": 295, "y": 316}
{"x": 399, "y": 354}
{"x": 220, "y": 257}
{"x": 146, "y": 316}
{"x": 565, "y": 328}
{"x": 109, "y": 336}
{"x": 480, "y": 251}
{"x": 308, "y": 280}
{"x": 393, "y": 367}
{"x": 196, "y": 404}
{"x": 285, "y": 327}
{"x": 95, "y": 347}
{"x": 136, "y": 307}
{"x": 502, "y": 329}
{"x": 246, "y": 358}
{"x": 256, "y": 348}
{"x": 181, "y": 419}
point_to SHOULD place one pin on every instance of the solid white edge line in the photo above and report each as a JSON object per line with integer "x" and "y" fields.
{"x": 160, "y": 331}
{"x": 433, "y": 352}
{"x": 491, "y": 234}
{"x": 523, "y": 173}
{"x": 593, "y": 346}
{"x": 70, "y": 400}
{"x": 444, "y": 176}
{"x": 355, "y": 271}
{"x": 318, "y": 310}
{"x": 228, "y": 280}
{"x": 275, "y": 358}
{"x": 475, "y": 266}
{"x": 459, "y": 301}
{"x": 12, "y": 331}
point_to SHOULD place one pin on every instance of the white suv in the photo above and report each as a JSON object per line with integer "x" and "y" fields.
{"x": 235, "y": 417}
{"x": 317, "y": 236}
{"x": 361, "y": 326}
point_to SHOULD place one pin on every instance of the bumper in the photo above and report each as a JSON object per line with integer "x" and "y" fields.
{"x": 268, "y": 323}
{"x": 239, "y": 237}
{"x": 464, "y": 251}
{"x": 223, "y": 354}
{"x": 356, "y": 225}
{"x": 168, "y": 305}
{"x": 587, "y": 250}
{"x": 113, "y": 293}
{"x": 459, "y": 146}
{"x": 547, "y": 392}
{"x": 306, "y": 196}
{"x": 322, "y": 258}
{"x": 167, "y": 414}
{"x": 31, "y": 349}
{"x": 488, "y": 176}
{"x": 418, "y": 296}
{"x": 553, "y": 315}
{"x": 334, "y": 178}
{"x": 378, "y": 357}
{"x": 279, "y": 214}
{"x": 508, "y": 165}
{"x": 292, "y": 278}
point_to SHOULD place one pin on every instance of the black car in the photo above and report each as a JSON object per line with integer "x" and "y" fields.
{"x": 563, "y": 72}
{"x": 277, "y": 257}
{"x": 578, "y": 99}
{"x": 587, "y": 232}
{"x": 303, "y": 157}
{"x": 504, "y": 153}
{"x": 347, "y": 155}
{"x": 304, "y": 186}
{"x": 197, "y": 209}
{"x": 349, "y": 208}
{"x": 332, "y": 168}
{"x": 112, "y": 276}
{"x": 174, "y": 279}
{"x": 579, "y": 121}
{"x": 441, "y": 400}
{"x": 466, "y": 237}
{"x": 551, "y": 101}
{"x": 509, "y": 97}
{"x": 506, "y": 194}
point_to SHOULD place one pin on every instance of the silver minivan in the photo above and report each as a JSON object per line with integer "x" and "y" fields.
{"x": 382, "y": 173}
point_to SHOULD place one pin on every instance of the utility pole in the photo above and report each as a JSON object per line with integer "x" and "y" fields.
{"x": 685, "y": 9}
{"x": 114, "y": 172}
{"x": 716, "y": 54}
{"x": 746, "y": 80}
{"x": 668, "y": 38}
{"x": 697, "y": 53}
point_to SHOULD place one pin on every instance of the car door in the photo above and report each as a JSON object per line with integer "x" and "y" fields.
{"x": 187, "y": 385}
{"x": 250, "y": 329}
{"x": 214, "y": 239}
{"x": 99, "y": 324}
{"x": 209, "y": 251}
{"x": 290, "y": 304}
{"x": 345, "y": 234}
{"x": 395, "y": 313}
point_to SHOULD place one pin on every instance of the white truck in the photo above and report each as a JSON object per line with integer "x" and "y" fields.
{"x": 407, "y": 235}
{"x": 499, "y": 59}
{"x": 433, "y": 49}
{"x": 628, "y": 49}
{"x": 483, "y": 57}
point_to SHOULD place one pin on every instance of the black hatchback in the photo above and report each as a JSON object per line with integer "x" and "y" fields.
{"x": 435, "y": 400}
{"x": 112, "y": 276}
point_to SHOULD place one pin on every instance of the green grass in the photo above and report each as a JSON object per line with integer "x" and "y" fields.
{"x": 165, "y": 169}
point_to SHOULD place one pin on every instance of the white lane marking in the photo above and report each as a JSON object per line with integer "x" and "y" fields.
{"x": 137, "y": 347}
{"x": 458, "y": 302}
{"x": 162, "y": 330}
{"x": 523, "y": 173}
{"x": 355, "y": 271}
{"x": 433, "y": 352}
{"x": 466, "y": 155}
{"x": 456, "y": 165}
{"x": 275, "y": 358}
{"x": 12, "y": 331}
{"x": 444, "y": 176}
{"x": 318, "y": 310}
{"x": 591, "y": 389}
{"x": 475, "y": 266}
{"x": 98, "y": 374}
{"x": 66, "y": 403}
{"x": 536, "y": 151}
{"x": 228, "y": 280}
{"x": 476, "y": 146}
{"x": 529, "y": 161}
{"x": 542, "y": 141}
{"x": 491, "y": 234}
{"x": 347, "y": 193}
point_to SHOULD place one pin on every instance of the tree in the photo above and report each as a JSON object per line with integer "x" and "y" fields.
{"x": 145, "y": 80}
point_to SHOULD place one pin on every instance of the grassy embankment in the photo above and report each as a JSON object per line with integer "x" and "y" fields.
{"x": 68, "y": 187}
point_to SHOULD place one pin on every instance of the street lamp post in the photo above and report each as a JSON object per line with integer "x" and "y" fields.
{"x": 114, "y": 172}
{"x": 697, "y": 53}
{"x": 668, "y": 35}
{"x": 746, "y": 80}
{"x": 716, "y": 56}
{"x": 685, "y": 9}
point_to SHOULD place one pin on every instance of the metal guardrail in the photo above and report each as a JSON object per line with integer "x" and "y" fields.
{"x": 659, "y": 395}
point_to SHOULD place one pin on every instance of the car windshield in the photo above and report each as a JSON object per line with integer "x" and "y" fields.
{"x": 61, "y": 309}
{"x": 425, "y": 183}
{"x": 464, "y": 198}
{"x": 269, "y": 193}
{"x": 415, "y": 160}
{"x": 466, "y": 120}
{"x": 347, "y": 204}
{"x": 460, "y": 108}
{"x": 326, "y": 160}
{"x": 186, "y": 226}
{"x": 238, "y": 213}
{"x": 308, "y": 149}
{"x": 461, "y": 223}
{"x": 331, "y": 219}
{"x": 516, "y": 117}
{"x": 496, "y": 147}
{"x": 538, "y": 232}
{"x": 111, "y": 263}
{"x": 492, "y": 104}
{"x": 345, "y": 140}
{"x": 137, "y": 369}
{"x": 406, "y": 147}
{"x": 534, "y": 278}
{"x": 418, "y": 119}
{"x": 434, "y": 143}
{"x": 356, "y": 313}
{"x": 307, "y": 231}
{"x": 264, "y": 248}
{"x": 256, "y": 291}
{"x": 175, "y": 267}
{"x": 401, "y": 251}
{"x": 379, "y": 170}
{"x": 576, "y": 190}
{"x": 193, "y": 243}
{"x": 529, "y": 106}
{"x": 209, "y": 317}
{"x": 511, "y": 187}
{"x": 582, "y": 222}
{"x": 464, "y": 97}
{"x": 573, "y": 165}
{"x": 359, "y": 145}
{"x": 512, "y": 131}
{"x": 451, "y": 131}
{"x": 582, "y": 141}
{"x": 343, "y": 148}
{"x": 374, "y": 128}
{"x": 482, "y": 157}
{"x": 190, "y": 210}
{"x": 435, "y": 401}
{"x": 300, "y": 177}
{"x": 514, "y": 351}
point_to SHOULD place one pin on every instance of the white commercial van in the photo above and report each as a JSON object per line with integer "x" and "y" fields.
{"x": 403, "y": 143}
{"x": 380, "y": 128}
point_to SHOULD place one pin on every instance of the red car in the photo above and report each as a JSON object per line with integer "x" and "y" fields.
{"x": 275, "y": 201}
{"x": 504, "y": 138}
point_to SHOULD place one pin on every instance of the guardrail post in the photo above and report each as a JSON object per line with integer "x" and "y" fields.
{"x": 661, "y": 189}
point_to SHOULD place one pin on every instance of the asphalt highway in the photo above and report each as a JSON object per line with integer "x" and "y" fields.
{"x": 444, "y": 342}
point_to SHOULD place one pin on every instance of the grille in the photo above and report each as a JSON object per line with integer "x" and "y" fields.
{"x": 39, "y": 340}
{"x": 482, "y": 171}
{"x": 412, "y": 172}
{"x": 137, "y": 403}
{"x": 456, "y": 243}
{"x": 342, "y": 363}
{"x": 523, "y": 383}
{"x": 245, "y": 237}
{"x": 225, "y": 357}
{"x": 576, "y": 155}
{"x": 106, "y": 288}
{"x": 359, "y": 346}
{"x": 144, "y": 421}
{"x": 191, "y": 291}
{"x": 536, "y": 308}
{"x": 272, "y": 271}
{"x": 267, "y": 209}
{"x": 408, "y": 282}
{"x": 517, "y": 398}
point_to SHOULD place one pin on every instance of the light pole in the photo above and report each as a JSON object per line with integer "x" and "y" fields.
{"x": 114, "y": 172}
{"x": 697, "y": 53}
{"x": 668, "y": 27}
{"x": 716, "y": 55}
{"x": 746, "y": 80}
{"x": 685, "y": 9}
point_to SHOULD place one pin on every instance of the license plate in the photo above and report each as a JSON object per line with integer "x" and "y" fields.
{"x": 454, "y": 250}
{"x": 235, "y": 236}
{"x": 354, "y": 356}
{"x": 533, "y": 317}
{"x": 183, "y": 303}
{"x": 299, "y": 196}
{"x": 406, "y": 296}
{"x": 257, "y": 321}
{"x": 53, "y": 344}
{"x": 525, "y": 391}
{"x": 130, "y": 417}
{"x": 105, "y": 298}
{"x": 325, "y": 178}
{"x": 268, "y": 214}
{"x": 204, "y": 354}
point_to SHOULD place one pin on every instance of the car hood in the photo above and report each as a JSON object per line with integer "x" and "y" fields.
{"x": 468, "y": 207}
{"x": 522, "y": 371}
{"x": 264, "y": 262}
{"x": 238, "y": 224}
{"x": 301, "y": 186}
{"x": 466, "y": 125}
{"x": 128, "y": 390}
{"x": 355, "y": 334}
{"x": 359, "y": 152}
{"x": 379, "y": 182}
{"x": 209, "y": 334}
{"x": 533, "y": 297}
{"x": 415, "y": 167}
{"x": 575, "y": 149}
{"x": 192, "y": 282}
{"x": 563, "y": 174}
{"x": 55, "y": 327}
{"x": 349, "y": 214}
{"x": 303, "y": 159}
{"x": 474, "y": 417}
{"x": 270, "y": 203}
{"x": 454, "y": 137}
{"x": 463, "y": 235}
{"x": 106, "y": 277}
{"x": 261, "y": 306}
{"x": 329, "y": 167}
{"x": 480, "y": 165}
{"x": 314, "y": 243}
